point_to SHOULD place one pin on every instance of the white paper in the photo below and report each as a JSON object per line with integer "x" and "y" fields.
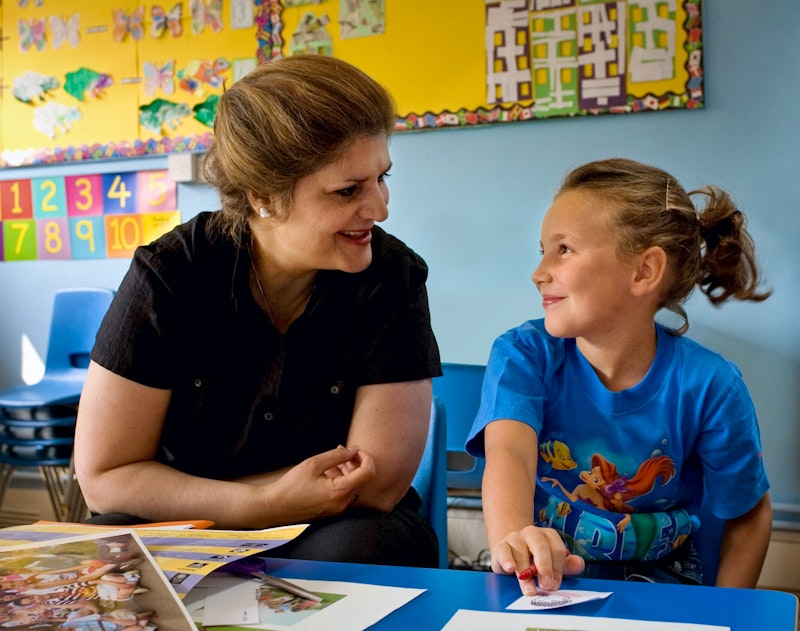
{"x": 231, "y": 604}
{"x": 358, "y": 606}
{"x": 465, "y": 620}
{"x": 554, "y": 600}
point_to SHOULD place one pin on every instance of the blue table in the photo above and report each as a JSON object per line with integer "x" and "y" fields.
{"x": 450, "y": 590}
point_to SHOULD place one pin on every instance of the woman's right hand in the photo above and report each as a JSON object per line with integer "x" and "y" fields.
{"x": 322, "y": 485}
{"x": 541, "y": 548}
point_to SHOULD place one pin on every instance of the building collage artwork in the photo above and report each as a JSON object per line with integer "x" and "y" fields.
{"x": 111, "y": 79}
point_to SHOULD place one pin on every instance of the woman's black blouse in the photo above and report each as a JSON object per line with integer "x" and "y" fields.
{"x": 245, "y": 398}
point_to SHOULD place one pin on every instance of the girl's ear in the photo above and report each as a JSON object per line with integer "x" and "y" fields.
{"x": 651, "y": 267}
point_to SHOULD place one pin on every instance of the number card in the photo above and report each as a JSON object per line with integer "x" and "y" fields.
{"x": 156, "y": 192}
{"x": 49, "y": 199}
{"x": 19, "y": 240}
{"x": 119, "y": 193}
{"x": 87, "y": 237}
{"x": 84, "y": 195}
{"x": 85, "y": 216}
{"x": 15, "y": 200}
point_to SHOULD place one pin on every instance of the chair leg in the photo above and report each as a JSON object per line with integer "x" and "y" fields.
{"x": 6, "y": 471}
{"x": 73, "y": 498}
{"x": 53, "y": 477}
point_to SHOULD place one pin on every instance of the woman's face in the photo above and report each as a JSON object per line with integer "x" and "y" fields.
{"x": 329, "y": 225}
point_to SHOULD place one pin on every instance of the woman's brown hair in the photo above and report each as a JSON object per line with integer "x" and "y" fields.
{"x": 283, "y": 121}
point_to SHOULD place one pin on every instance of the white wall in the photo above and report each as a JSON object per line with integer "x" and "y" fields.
{"x": 470, "y": 202}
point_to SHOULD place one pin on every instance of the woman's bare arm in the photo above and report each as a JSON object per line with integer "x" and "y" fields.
{"x": 116, "y": 442}
{"x": 390, "y": 421}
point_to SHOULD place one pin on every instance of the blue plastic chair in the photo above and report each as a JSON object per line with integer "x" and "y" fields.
{"x": 708, "y": 539}
{"x": 430, "y": 481}
{"x": 460, "y": 389}
{"x": 77, "y": 314}
{"x": 37, "y": 422}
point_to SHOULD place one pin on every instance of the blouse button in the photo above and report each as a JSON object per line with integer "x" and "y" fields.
{"x": 198, "y": 383}
{"x": 268, "y": 416}
{"x": 334, "y": 389}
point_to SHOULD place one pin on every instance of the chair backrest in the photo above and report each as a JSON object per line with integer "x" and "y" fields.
{"x": 430, "y": 481}
{"x": 708, "y": 539}
{"x": 77, "y": 314}
{"x": 460, "y": 389}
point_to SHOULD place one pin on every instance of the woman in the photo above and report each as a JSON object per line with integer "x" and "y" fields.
{"x": 271, "y": 363}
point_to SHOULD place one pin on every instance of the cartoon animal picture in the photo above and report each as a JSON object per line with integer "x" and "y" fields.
{"x": 603, "y": 486}
{"x": 557, "y": 455}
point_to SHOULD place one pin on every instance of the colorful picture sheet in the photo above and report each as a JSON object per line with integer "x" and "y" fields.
{"x": 185, "y": 556}
{"x": 98, "y": 581}
{"x": 85, "y": 216}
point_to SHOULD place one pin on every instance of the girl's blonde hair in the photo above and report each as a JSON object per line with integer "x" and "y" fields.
{"x": 707, "y": 247}
{"x": 283, "y": 121}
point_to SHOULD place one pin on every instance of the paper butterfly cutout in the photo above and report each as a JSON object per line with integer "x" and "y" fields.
{"x": 206, "y": 13}
{"x": 203, "y": 71}
{"x": 163, "y": 21}
{"x": 156, "y": 77}
{"x": 124, "y": 24}
{"x": 62, "y": 30}
{"x": 31, "y": 34}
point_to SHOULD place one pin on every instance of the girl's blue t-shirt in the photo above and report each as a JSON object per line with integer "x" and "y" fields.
{"x": 620, "y": 473}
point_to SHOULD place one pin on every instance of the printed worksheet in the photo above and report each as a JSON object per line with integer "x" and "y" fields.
{"x": 466, "y": 620}
{"x": 245, "y": 604}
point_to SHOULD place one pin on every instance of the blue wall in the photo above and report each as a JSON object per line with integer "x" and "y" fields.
{"x": 470, "y": 201}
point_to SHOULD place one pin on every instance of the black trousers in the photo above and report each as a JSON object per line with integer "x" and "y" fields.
{"x": 359, "y": 535}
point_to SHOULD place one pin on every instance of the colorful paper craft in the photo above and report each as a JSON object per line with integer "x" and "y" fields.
{"x": 65, "y": 30}
{"x": 158, "y": 77}
{"x": 85, "y": 81}
{"x": 31, "y": 34}
{"x": 164, "y": 21}
{"x": 32, "y": 86}
{"x": 206, "y": 13}
{"x": 125, "y": 24}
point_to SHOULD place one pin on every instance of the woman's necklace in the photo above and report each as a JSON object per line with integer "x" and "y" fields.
{"x": 261, "y": 290}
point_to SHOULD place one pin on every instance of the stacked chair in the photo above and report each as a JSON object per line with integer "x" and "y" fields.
{"x": 37, "y": 422}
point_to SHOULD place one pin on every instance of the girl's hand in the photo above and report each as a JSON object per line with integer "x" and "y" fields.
{"x": 323, "y": 485}
{"x": 541, "y": 549}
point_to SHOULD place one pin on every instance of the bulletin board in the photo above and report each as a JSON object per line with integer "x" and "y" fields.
{"x": 105, "y": 79}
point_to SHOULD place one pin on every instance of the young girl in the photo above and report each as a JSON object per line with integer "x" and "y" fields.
{"x": 601, "y": 426}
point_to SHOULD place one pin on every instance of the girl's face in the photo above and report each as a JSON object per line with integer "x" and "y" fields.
{"x": 583, "y": 282}
{"x": 333, "y": 211}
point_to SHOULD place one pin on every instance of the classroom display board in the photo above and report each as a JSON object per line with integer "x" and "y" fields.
{"x": 84, "y": 216}
{"x": 105, "y": 79}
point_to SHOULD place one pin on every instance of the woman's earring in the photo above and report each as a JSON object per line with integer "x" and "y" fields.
{"x": 264, "y": 212}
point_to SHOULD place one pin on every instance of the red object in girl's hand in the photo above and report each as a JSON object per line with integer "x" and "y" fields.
{"x": 527, "y": 573}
